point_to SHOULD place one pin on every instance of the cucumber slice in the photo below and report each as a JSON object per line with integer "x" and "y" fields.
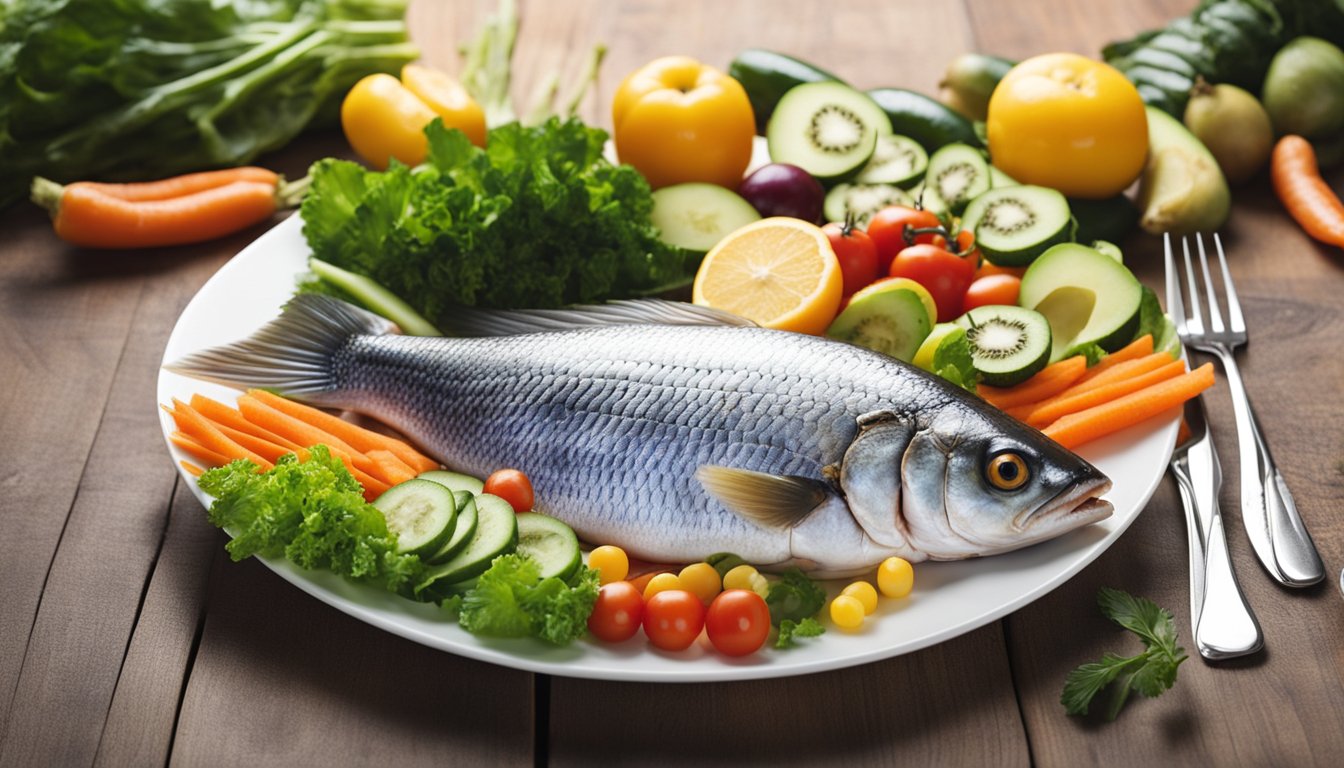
{"x": 420, "y": 513}
{"x": 496, "y": 534}
{"x": 697, "y": 216}
{"x": 959, "y": 174}
{"x": 1014, "y": 225}
{"x": 462, "y": 531}
{"x": 454, "y": 481}
{"x": 893, "y": 322}
{"x": 1008, "y": 344}
{"x": 862, "y": 201}
{"x": 898, "y": 160}
{"x": 998, "y": 179}
{"x": 549, "y": 542}
{"x": 828, "y": 129}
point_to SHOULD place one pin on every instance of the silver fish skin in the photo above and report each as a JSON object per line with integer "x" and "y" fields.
{"x": 676, "y": 441}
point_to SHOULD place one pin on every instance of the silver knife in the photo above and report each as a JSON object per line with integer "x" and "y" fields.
{"x": 1222, "y": 623}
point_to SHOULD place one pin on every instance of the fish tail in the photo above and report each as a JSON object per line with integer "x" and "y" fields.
{"x": 291, "y": 354}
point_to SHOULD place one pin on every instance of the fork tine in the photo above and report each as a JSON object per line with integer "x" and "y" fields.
{"x": 1233, "y": 306}
{"x": 1195, "y": 319}
{"x": 1215, "y": 314}
{"x": 1175, "y": 307}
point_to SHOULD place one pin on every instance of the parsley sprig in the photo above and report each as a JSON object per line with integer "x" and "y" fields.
{"x": 1150, "y": 673}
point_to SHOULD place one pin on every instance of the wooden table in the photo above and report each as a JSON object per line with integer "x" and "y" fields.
{"x": 127, "y": 637}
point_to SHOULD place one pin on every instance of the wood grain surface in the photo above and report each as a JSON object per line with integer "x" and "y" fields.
{"x": 128, "y": 637}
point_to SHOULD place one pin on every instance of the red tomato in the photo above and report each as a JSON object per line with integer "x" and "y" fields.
{"x": 992, "y": 289}
{"x": 617, "y": 613}
{"x": 946, "y": 275}
{"x": 738, "y": 621}
{"x": 887, "y": 230}
{"x": 986, "y": 268}
{"x": 855, "y": 252}
{"x": 673, "y": 619}
{"x": 512, "y": 486}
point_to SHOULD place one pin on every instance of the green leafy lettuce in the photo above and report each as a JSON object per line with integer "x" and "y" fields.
{"x": 142, "y": 89}
{"x": 512, "y": 600}
{"x": 790, "y": 631}
{"x": 539, "y": 219}
{"x": 313, "y": 513}
{"x": 952, "y": 360}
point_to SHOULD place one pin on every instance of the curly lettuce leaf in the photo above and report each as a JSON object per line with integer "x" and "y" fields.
{"x": 794, "y": 597}
{"x": 512, "y": 600}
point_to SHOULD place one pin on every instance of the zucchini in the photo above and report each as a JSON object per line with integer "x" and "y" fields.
{"x": 926, "y": 120}
{"x": 767, "y": 75}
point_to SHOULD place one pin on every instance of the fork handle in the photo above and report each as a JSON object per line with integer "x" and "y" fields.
{"x": 1277, "y": 533}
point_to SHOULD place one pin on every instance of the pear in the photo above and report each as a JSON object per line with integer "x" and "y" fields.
{"x": 1234, "y": 127}
{"x": 1182, "y": 189}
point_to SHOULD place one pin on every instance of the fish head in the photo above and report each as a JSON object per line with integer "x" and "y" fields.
{"x": 977, "y": 482}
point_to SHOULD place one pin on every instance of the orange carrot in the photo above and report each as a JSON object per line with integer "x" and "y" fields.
{"x": 1049, "y": 410}
{"x": 1140, "y": 347}
{"x": 1120, "y": 372}
{"x": 1050, "y": 380}
{"x": 88, "y": 217}
{"x": 208, "y": 435}
{"x": 1077, "y": 428}
{"x": 264, "y": 448}
{"x": 390, "y": 468}
{"x": 185, "y": 442}
{"x": 1309, "y": 200}
{"x": 225, "y": 416}
{"x": 186, "y": 184}
{"x": 192, "y": 469}
{"x": 373, "y": 487}
{"x": 300, "y": 432}
{"x": 365, "y": 440}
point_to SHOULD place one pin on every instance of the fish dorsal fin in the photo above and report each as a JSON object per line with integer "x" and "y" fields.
{"x": 468, "y": 321}
{"x": 772, "y": 501}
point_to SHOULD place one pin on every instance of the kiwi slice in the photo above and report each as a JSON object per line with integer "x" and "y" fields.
{"x": 1014, "y": 225}
{"x": 862, "y": 201}
{"x": 828, "y": 129}
{"x": 897, "y": 160}
{"x": 1008, "y": 344}
{"x": 893, "y": 322}
{"x": 959, "y": 174}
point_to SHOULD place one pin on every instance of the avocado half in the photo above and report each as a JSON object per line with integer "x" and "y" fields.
{"x": 1087, "y": 296}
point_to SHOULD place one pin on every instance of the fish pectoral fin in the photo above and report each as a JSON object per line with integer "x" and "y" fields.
{"x": 777, "y": 501}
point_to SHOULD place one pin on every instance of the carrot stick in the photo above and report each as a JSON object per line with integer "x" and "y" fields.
{"x": 1140, "y": 347}
{"x": 192, "y": 469}
{"x": 1120, "y": 372}
{"x": 223, "y": 415}
{"x": 373, "y": 487}
{"x": 88, "y": 217}
{"x": 264, "y": 448}
{"x": 1051, "y": 380}
{"x": 299, "y": 432}
{"x": 186, "y": 184}
{"x": 390, "y": 468}
{"x": 1077, "y": 428}
{"x": 1309, "y": 200}
{"x": 208, "y": 435}
{"x": 363, "y": 439}
{"x": 1050, "y": 410}
{"x": 212, "y": 458}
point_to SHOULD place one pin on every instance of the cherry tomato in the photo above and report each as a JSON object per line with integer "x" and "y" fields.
{"x": 512, "y": 486}
{"x": 617, "y": 613}
{"x": 738, "y": 621}
{"x": 944, "y": 274}
{"x": 992, "y": 289}
{"x": 989, "y": 268}
{"x": 856, "y": 253}
{"x": 887, "y": 231}
{"x": 673, "y": 619}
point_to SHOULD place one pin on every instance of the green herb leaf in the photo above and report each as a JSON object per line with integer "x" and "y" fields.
{"x": 512, "y": 600}
{"x": 794, "y": 597}
{"x": 952, "y": 360}
{"x": 790, "y": 631}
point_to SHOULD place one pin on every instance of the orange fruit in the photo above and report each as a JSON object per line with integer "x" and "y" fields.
{"x": 779, "y": 272}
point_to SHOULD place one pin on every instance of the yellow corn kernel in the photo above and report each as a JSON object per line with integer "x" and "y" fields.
{"x": 611, "y": 563}
{"x": 661, "y": 583}
{"x": 701, "y": 580}
{"x": 895, "y": 577}
{"x": 740, "y": 577}
{"x": 847, "y": 612}
{"x": 865, "y": 593}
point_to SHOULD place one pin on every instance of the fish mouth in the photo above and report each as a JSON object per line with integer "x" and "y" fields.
{"x": 1073, "y": 508}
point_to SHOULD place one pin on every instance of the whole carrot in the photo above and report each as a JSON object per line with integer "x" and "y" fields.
{"x": 1309, "y": 200}
{"x": 186, "y": 184}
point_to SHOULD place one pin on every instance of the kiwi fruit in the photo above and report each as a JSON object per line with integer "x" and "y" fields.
{"x": 897, "y": 160}
{"x": 958, "y": 173}
{"x": 828, "y": 129}
{"x": 1014, "y": 225}
{"x": 861, "y": 201}
{"x": 1008, "y": 344}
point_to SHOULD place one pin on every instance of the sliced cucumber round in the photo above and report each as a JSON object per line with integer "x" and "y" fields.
{"x": 454, "y": 481}
{"x": 420, "y": 513}
{"x": 549, "y": 542}
{"x": 496, "y": 534}
{"x": 1014, "y": 225}
{"x": 861, "y": 201}
{"x": 462, "y": 532}
{"x": 898, "y": 160}
{"x": 696, "y": 216}
{"x": 828, "y": 129}
{"x": 1008, "y": 344}
{"x": 958, "y": 173}
{"x": 893, "y": 322}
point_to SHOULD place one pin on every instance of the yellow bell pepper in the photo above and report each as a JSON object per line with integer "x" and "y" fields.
{"x": 677, "y": 120}
{"x": 384, "y": 117}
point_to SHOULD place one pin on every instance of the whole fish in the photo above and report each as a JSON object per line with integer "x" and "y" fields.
{"x": 676, "y": 432}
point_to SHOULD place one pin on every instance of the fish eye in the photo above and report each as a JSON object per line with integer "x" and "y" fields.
{"x": 1007, "y": 471}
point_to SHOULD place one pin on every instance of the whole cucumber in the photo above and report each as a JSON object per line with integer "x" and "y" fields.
{"x": 767, "y": 75}
{"x": 926, "y": 120}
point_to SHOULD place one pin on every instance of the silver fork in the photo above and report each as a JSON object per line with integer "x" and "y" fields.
{"x": 1276, "y": 531}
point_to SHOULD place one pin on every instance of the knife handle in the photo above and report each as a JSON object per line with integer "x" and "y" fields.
{"x": 1226, "y": 628}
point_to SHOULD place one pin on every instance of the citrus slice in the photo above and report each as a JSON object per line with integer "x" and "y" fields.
{"x": 779, "y": 272}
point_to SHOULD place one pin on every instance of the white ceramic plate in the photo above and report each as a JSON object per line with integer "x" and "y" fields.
{"x": 949, "y": 598}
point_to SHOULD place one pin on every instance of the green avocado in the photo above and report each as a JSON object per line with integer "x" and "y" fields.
{"x": 1087, "y": 296}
